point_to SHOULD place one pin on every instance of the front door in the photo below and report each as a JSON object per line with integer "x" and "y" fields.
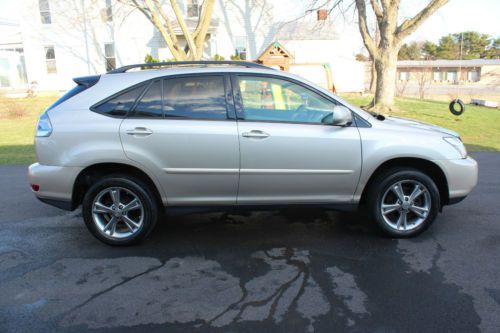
{"x": 290, "y": 152}
{"x": 190, "y": 140}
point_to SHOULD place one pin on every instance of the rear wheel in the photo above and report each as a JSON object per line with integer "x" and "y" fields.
{"x": 404, "y": 202}
{"x": 120, "y": 210}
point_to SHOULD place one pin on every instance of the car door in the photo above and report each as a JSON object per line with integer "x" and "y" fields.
{"x": 190, "y": 140}
{"x": 289, "y": 152}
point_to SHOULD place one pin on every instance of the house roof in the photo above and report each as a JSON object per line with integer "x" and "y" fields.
{"x": 307, "y": 30}
{"x": 448, "y": 63}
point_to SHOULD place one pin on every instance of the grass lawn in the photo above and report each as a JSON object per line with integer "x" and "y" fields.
{"x": 18, "y": 117}
{"x": 478, "y": 126}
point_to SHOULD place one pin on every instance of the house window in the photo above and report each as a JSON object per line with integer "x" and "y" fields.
{"x": 436, "y": 76}
{"x": 451, "y": 76}
{"x": 240, "y": 47}
{"x": 109, "y": 11}
{"x": 473, "y": 76}
{"x": 50, "y": 59}
{"x": 45, "y": 11}
{"x": 192, "y": 8}
{"x": 109, "y": 56}
{"x": 404, "y": 76}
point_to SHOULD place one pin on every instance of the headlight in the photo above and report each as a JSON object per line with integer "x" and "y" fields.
{"x": 457, "y": 144}
{"x": 44, "y": 127}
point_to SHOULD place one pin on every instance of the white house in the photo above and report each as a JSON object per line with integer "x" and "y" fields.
{"x": 53, "y": 41}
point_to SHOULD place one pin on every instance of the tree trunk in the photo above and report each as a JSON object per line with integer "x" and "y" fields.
{"x": 385, "y": 67}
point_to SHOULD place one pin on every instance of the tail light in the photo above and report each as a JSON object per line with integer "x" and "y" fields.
{"x": 44, "y": 127}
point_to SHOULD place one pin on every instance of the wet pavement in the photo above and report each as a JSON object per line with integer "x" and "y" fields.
{"x": 294, "y": 270}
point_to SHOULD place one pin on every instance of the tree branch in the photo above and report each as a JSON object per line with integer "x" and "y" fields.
{"x": 169, "y": 28}
{"x": 158, "y": 24}
{"x": 363, "y": 28}
{"x": 204, "y": 23}
{"x": 184, "y": 28}
{"x": 377, "y": 9}
{"x": 409, "y": 26}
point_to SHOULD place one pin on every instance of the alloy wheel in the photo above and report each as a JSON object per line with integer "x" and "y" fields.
{"x": 117, "y": 212}
{"x": 405, "y": 205}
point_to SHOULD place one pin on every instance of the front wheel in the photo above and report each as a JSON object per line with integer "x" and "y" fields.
{"x": 404, "y": 202}
{"x": 119, "y": 210}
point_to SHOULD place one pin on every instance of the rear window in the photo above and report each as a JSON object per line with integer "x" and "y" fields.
{"x": 121, "y": 104}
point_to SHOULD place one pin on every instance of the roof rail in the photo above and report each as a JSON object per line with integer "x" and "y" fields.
{"x": 247, "y": 64}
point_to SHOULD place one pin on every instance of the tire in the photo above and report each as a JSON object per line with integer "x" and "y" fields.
{"x": 405, "y": 216}
{"x": 461, "y": 106}
{"x": 112, "y": 221}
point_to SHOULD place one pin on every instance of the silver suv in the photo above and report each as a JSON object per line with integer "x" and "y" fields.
{"x": 126, "y": 144}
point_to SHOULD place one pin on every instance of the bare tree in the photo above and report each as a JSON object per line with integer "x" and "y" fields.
{"x": 401, "y": 87}
{"x": 164, "y": 20}
{"x": 424, "y": 78}
{"x": 384, "y": 51}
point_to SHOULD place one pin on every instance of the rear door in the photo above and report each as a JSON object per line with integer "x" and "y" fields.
{"x": 289, "y": 151}
{"x": 190, "y": 140}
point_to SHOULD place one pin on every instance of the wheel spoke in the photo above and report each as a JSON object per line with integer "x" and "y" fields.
{"x": 134, "y": 204}
{"x": 386, "y": 209}
{"x": 417, "y": 191}
{"x": 419, "y": 211}
{"x": 402, "y": 220}
{"x": 398, "y": 190}
{"x": 132, "y": 226}
{"x": 115, "y": 195}
{"x": 99, "y": 208}
{"x": 111, "y": 226}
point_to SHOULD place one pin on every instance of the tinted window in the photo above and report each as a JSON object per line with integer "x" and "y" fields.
{"x": 270, "y": 99}
{"x": 121, "y": 104}
{"x": 150, "y": 104}
{"x": 195, "y": 97}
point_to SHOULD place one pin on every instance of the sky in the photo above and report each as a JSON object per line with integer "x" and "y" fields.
{"x": 458, "y": 15}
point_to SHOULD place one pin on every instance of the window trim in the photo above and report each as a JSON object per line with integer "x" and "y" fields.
{"x": 230, "y": 108}
{"x": 239, "y": 101}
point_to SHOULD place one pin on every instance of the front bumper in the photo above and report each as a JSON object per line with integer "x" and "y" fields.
{"x": 55, "y": 183}
{"x": 461, "y": 175}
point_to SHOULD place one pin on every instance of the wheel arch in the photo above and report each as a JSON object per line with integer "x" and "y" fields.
{"x": 92, "y": 173}
{"x": 428, "y": 167}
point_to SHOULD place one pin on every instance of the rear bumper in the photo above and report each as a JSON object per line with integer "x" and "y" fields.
{"x": 461, "y": 175}
{"x": 55, "y": 184}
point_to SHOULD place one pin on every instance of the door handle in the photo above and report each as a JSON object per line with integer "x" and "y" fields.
{"x": 255, "y": 134}
{"x": 142, "y": 131}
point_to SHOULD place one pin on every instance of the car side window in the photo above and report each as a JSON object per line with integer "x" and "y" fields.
{"x": 150, "y": 103}
{"x": 195, "y": 97}
{"x": 271, "y": 99}
{"x": 121, "y": 104}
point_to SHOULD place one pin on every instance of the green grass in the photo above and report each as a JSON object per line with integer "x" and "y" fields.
{"x": 18, "y": 117}
{"x": 478, "y": 126}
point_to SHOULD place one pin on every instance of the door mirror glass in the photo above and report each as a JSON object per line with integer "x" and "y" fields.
{"x": 342, "y": 116}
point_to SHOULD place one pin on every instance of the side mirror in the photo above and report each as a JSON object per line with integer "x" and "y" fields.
{"x": 342, "y": 116}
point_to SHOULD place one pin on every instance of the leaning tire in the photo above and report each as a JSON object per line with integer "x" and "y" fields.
{"x": 404, "y": 202}
{"x": 120, "y": 210}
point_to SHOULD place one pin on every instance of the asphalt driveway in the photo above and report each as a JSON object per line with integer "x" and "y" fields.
{"x": 297, "y": 270}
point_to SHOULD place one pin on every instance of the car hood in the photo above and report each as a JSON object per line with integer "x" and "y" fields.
{"x": 419, "y": 125}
